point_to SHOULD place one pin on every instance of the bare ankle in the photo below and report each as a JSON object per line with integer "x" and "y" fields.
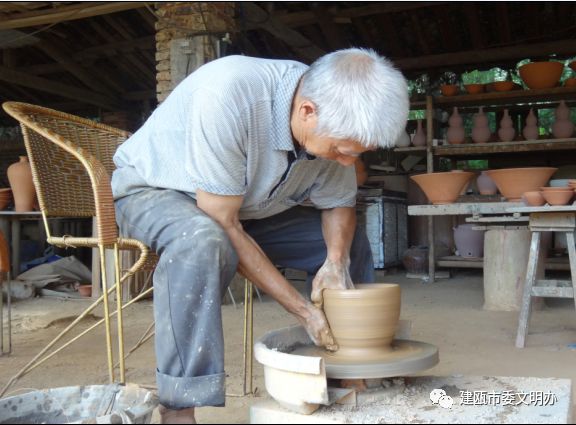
{"x": 171, "y": 416}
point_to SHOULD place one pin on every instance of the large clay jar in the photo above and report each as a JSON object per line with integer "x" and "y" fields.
{"x": 480, "y": 131}
{"x": 415, "y": 260}
{"x": 469, "y": 242}
{"x": 530, "y": 131}
{"x": 506, "y": 132}
{"x": 363, "y": 320}
{"x": 20, "y": 178}
{"x": 486, "y": 185}
{"x": 419, "y": 138}
{"x": 455, "y": 134}
{"x": 562, "y": 127}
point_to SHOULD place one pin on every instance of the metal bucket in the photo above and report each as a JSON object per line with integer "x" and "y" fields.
{"x": 101, "y": 404}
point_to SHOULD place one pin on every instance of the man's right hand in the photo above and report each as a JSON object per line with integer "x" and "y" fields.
{"x": 317, "y": 327}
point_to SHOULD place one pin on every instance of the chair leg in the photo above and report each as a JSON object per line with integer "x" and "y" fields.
{"x": 526, "y": 308}
{"x": 248, "y": 337}
{"x": 572, "y": 258}
{"x": 104, "y": 280}
{"x": 119, "y": 319}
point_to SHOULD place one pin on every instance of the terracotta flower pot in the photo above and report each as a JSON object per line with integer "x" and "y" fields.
{"x": 513, "y": 182}
{"x": 474, "y": 88}
{"x": 558, "y": 197}
{"x": 503, "y": 85}
{"x": 363, "y": 320}
{"x": 572, "y": 66}
{"x": 570, "y": 82}
{"x": 541, "y": 75}
{"x": 449, "y": 89}
{"x": 533, "y": 199}
{"x": 443, "y": 188}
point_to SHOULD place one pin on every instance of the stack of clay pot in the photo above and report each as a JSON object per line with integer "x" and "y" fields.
{"x": 557, "y": 195}
{"x": 515, "y": 182}
{"x": 443, "y": 188}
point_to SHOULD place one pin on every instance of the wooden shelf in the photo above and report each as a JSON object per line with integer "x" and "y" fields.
{"x": 411, "y": 149}
{"x": 505, "y": 147}
{"x": 511, "y": 97}
{"x": 552, "y": 263}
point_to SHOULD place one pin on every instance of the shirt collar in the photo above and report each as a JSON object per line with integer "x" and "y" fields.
{"x": 281, "y": 132}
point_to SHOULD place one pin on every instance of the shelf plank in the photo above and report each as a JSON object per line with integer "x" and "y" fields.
{"x": 463, "y": 208}
{"x": 412, "y": 149}
{"x": 505, "y": 147}
{"x": 453, "y": 261}
{"x": 510, "y": 97}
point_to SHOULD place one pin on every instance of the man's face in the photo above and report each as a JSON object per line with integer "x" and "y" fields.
{"x": 304, "y": 121}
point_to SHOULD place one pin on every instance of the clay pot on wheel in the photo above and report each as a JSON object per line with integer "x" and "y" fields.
{"x": 363, "y": 320}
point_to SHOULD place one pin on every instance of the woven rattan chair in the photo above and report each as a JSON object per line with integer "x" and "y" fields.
{"x": 71, "y": 161}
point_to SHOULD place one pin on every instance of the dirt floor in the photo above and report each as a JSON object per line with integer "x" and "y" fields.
{"x": 447, "y": 313}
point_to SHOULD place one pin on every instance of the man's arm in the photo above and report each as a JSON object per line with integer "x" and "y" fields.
{"x": 256, "y": 266}
{"x": 338, "y": 227}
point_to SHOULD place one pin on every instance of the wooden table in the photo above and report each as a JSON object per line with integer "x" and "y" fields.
{"x": 561, "y": 219}
{"x": 480, "y": 212}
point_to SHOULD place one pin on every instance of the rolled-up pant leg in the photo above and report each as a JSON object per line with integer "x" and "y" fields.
{"x": 294, "y": 239}
{"x": 197, "y": 263}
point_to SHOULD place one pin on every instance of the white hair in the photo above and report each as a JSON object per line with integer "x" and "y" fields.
{"x": 359, "y": 95}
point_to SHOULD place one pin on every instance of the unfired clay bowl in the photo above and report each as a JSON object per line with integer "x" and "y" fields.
{"x": 533, "y": 199}
{"x": 363, "y": 320}
{"x": 443, "y": 188}
{"x": 558, "y": 197}
{"x": 513, "y": 182}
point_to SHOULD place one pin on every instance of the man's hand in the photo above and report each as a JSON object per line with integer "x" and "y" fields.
{"x": 317, "y": 327}
{"x": 330, "y": 276}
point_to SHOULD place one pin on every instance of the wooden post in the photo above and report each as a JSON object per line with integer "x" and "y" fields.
{"x": 430, "y": 169}
{"x": 187, "y": 36}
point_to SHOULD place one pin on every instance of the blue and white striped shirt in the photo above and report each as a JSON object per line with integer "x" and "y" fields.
{"x": 226, "y": 130}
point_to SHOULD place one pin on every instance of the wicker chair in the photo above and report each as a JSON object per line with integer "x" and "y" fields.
{"x": 71, "y": 161}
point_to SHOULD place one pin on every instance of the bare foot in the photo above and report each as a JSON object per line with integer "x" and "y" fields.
{"x": 169, "y": 416}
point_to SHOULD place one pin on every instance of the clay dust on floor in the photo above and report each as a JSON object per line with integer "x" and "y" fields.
{"x": 447, "y": 313}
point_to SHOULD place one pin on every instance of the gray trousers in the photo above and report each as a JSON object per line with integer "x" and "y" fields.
{"x": 197, "y": 263}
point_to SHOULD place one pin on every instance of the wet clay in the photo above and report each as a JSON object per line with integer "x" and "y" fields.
{"x": 363, "y": 320}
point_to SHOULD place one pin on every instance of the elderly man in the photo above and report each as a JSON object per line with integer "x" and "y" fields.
{"x": 244, "y": 167}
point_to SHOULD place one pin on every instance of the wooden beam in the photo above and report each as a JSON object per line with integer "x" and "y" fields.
{"x": 61, "y": 55}
{"x": 297, "y": 19}
{"x": 486, "y": 56}
{"x": 331, "y": 33}
{"x": 67, "y": 13}
{"x": 44, "y": 85}
{"x": 472, "y": 14}
{"x": 502, "y": 21}
{"x": 420, "y": 33}
{"x": 274, "y": 26}
{"x": 392, "y": 39}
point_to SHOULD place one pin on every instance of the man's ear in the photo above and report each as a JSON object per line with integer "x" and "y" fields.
{"x": 307, "y": 110}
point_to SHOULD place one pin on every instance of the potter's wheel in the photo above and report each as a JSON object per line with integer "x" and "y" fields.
{"x": 406, "y": 357}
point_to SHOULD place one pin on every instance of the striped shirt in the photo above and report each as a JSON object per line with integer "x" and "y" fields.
{"x": 226, "y": 130}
